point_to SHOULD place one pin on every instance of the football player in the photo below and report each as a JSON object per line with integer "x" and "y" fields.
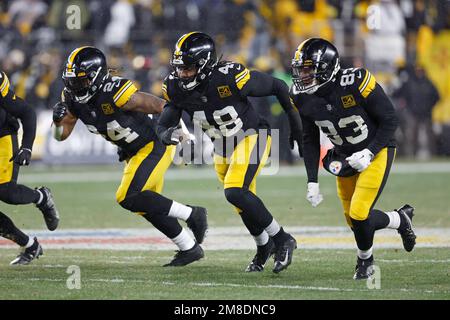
{"x": 359, "y": 119}
{"x": 215, "y": 95}
{"x": 114, "y": 108}
{"x": 12, "y": 109}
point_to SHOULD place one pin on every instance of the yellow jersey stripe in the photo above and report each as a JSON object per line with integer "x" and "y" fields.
{"x": 241, "y": 75}
{"x": 4, "y": 87}
{"x": 122, "y": 88}
{"x": 369, "y": 87}
{"x": 243, "y": 80}
{"x": 72, "y": 57}
{"x": 126, "y": 95}
{"x": 364, "y": 80}
{"x": 182, "y": 39}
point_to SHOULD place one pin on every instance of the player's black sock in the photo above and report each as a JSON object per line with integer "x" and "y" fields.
{"x": 9, "y": 231}
{"x": 13, "y": 193}
{"x": 280, "y": 237}
{"x": 147, "y": 201}
{"x": 251, "y": 226}
{"x": 247, "y": 201}
{"x": 167, "y": 225}
{"x": 364, "y": 233}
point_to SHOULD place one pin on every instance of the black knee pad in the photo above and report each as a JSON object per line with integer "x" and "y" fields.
{"x": 235, "y": 196}
{"x": 129, "y": 203}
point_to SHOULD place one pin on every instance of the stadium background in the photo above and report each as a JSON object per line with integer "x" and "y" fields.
{"x": 396, "y": 40}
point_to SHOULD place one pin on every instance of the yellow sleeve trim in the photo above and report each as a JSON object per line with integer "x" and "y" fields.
{"x": 242, "y": 78}
{"x": 364, "y": 80}
{"x": 164, "y": 91}
{"x": 368, "y": 85}
{"x": 293, "y": 104}
{"x": 124, "y": 94}
{"x": 4, "y": 87}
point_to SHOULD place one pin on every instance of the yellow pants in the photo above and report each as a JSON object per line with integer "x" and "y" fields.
{"x": 359, "y": 193}
{"x": 8, "y": 169}
{"x": 146, "y": 170}
{"x": 243, "y": 166}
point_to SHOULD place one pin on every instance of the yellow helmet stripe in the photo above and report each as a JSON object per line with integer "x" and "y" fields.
{"x": 182, "y": 39}
{"x": 299, "y": 48}
{"x": 72, "y": 58}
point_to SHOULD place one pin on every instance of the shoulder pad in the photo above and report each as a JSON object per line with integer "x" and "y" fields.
{"x": 120, "y": 89}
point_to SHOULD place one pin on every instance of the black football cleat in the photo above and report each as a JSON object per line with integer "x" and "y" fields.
{"x": 405, "y": 230}
{"x": 198, "y": 223}
{"x": 48, "y": 209}
{"x": 185, "y": 257}
{"x": 28, "y": 254}
{"x": 364, "y": 268}
{"x": 263, "y": 254}
{"x": 284, "y": 253}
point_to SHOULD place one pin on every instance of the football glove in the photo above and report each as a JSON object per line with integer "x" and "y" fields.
{"x": 22, "y": 157}
{"x": 313, "y": 194}
{"x": 172, "y": 136}
{"x": 360, "y": 160}
{"x": 59, "y": 111}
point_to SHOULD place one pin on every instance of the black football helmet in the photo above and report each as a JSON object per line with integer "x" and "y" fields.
{"x": 315, "y": 63}
{"x": 84, "y": 73}
{"x": 194, "y": 49}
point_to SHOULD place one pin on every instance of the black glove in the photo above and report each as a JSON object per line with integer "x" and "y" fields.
{"x": 166, "y": 136}
{"x": 59, "y": 111}
{"x": 123, "y": 155}
{"x": 22, "y": 157}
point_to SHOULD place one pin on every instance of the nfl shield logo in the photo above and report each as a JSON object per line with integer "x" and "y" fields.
{"x": 335, "y": 167}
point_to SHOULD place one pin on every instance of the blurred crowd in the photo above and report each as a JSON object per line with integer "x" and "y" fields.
{"x": 405, "y": 43}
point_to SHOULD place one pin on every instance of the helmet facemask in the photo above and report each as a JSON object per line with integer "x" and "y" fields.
{"x": 82, "y": 88}
{"x": 308, "y": 77}
{"x": 203, "y": 68}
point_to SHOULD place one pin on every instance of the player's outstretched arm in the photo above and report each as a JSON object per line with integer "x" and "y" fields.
{"x": 144, "y": 102}
{"x": 168, "y": 128}
{"x": 262, "y": 84}
{"x": 63, "y": 121}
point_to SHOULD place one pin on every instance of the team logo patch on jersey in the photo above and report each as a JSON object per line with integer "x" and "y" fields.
{"x": 335, "y": 167}
{"x": 348, "y": 101}
{"x": 107, "y": 108}
{"x": 224, "y": 91}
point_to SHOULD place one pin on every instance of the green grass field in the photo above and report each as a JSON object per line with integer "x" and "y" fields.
{"x": 87, "y": 201}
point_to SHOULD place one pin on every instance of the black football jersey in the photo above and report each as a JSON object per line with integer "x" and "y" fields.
{"x": 342, "y": 115}
{"x": 8, "y": 123}
{"x": 218, "y": 106}
{"x": 102, "y": 114}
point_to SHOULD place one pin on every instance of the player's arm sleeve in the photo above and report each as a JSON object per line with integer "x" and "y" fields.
{"x": 170, "y": 117}
{"x": 311, "y": 149}
{"x": 262, "y": 84}
{"x": 18, "y": 108}
{"x": 380, "y": 108}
